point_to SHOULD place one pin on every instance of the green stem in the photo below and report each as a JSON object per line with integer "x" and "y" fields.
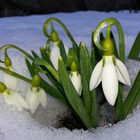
{"x": 108, "y": 31}
{"x": 105, "y": 23}
{"x": 8, "y": 46}
{"x": 15, "y": 75}
{"x": 52, "y": 19}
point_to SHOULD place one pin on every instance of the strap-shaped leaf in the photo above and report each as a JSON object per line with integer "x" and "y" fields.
{"x": 47, "y": 87}
{"x": 133, "y": 97}
{"x": 93, "y": 58}
{"x": 115, "y": 46}
{"x": 88, "y": 97}
{"x": 45, "y": 56}
{"x": 34, "y": 54}
{"x": 72, "y": 57}
{"x": 72, "y": 96}
{"x": 30, "y": 68}
{"x": 119, "y": 103}
{"x": 85, "y": 69}
{"x": 135, "y": 50}
{"x": 94, "y": 109}
{"x": 62, "y": 51}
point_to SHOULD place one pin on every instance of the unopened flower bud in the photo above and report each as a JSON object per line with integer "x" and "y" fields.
{"x": 73, "y": 66}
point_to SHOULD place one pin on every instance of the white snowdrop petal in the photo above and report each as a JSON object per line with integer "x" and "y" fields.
{"x": 9, "y": 99}
{"x": 96, "y": 76}
{"x": 21, "y": 101}
{"x": 10, "y": 81}
{"x": 123, "y": 72}
{"x": 54, "y": 56}
{"x": 28, "y": 96}
{"x": 15, "y": 99}
{"x": 76, "y": 81}
{"x": 110, "y": 82}
{"x": 99, "y": 81}
{"x": 120, "y": 77}
{"x": 43, "y": 98}
{"x": 33, "y": 101}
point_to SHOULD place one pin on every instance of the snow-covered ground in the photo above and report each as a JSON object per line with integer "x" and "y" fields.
{"x": 26, "y": 32}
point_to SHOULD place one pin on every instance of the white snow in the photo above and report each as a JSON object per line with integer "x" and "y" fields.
{"x": 26, "y": 32}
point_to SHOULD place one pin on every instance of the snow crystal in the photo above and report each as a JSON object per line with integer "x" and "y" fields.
{"x": 26, "y": 32}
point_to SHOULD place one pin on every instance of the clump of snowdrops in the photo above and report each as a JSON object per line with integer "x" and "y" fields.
{"x": 77, "y": 75}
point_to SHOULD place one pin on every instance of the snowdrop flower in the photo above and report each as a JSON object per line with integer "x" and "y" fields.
{"x": 109, "y": 70}
{"x": 75, "y": 78}
{"x": 13, "y": 98}
{"x": 55, "y": 51}
{"x": 36, "y": 95}
{"x": 76, "y": 81}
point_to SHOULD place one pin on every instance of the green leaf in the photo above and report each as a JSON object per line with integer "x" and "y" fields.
{"x": 133, "y": 97}
{"x": 63, "y": 51}
{"x": 135, "y": 50}
{"x": 119, "y": 103}
{"x": 72, "y": 57}
{"x": 34, "y": 54}
{"x": 85, "y": 69}
{"x": 30, "y": 68}
{"x": 94, "y": 109}
{"x": 72, "y": 96}
{"x": 45, "y": 56}
{"x": 93, "y": 58}
{"x": 115, "y": 46}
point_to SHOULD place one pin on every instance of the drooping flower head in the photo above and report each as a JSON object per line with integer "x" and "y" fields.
{"x": 36, "y": 95}
{"x": 55, "y": 51}
{"x": 13, "y": 98}
{"x": 109, "y": 70}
